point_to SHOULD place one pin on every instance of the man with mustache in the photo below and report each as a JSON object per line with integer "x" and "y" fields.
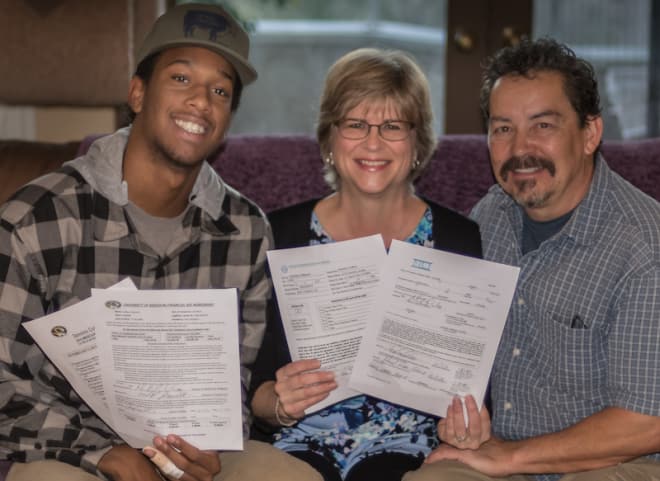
{"x": 576, "y": 380}
{"x": 142, "y": 203}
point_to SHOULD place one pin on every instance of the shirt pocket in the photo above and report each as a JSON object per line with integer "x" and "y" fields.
{"x": 577, "y": 356}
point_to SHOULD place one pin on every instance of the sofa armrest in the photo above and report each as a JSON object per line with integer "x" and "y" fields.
{"x": 22, "y": 161}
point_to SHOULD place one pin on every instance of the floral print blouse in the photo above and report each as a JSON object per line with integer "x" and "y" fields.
{"x": 355, "y": 428}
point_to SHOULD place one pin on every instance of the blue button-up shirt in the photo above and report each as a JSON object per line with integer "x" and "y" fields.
{"x": 583, "y": 331}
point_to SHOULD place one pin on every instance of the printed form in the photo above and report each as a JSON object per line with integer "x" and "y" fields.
{"x": 326, "y": 294}
{"x": 153, "y": 362}
{"x": 175, "y": 368}
{"x": 434, "y": 329}
{"x": 68, "y": 338}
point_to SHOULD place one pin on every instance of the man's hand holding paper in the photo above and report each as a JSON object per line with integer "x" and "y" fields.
{"x": 455, "y": 431}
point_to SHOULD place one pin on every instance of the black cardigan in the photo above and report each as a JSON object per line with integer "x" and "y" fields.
{"x": 452, "y": 232}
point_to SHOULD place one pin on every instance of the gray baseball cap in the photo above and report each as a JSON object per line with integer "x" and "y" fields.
{"x": 201, "y": 25}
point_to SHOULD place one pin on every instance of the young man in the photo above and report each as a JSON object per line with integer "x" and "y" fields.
{"x": 144, "y": 204}
{"x": 576, "y": 381}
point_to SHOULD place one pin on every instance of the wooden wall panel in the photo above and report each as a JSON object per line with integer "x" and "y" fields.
{"x": 70, "y": 52}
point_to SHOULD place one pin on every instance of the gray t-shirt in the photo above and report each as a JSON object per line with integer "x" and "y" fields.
{"x": 157, "y": 232}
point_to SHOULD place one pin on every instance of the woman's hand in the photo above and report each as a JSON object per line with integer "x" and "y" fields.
{"x": 453, "y": 431}
{"x": 300, "y": 385}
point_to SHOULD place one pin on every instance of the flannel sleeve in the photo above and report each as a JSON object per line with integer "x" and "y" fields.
{"x": 41, "y": 417}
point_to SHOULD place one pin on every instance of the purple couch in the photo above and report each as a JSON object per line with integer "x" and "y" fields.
{"x": 276, "y": 171}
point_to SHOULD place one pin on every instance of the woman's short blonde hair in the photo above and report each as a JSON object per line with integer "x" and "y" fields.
{"x": 377, "y": 75}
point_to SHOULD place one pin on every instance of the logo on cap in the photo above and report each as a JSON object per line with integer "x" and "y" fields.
{"x": 201, "y": 21}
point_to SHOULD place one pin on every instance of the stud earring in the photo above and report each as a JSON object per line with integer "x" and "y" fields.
{"x": 415, "y": 164}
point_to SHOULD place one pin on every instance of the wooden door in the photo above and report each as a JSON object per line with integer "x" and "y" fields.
{"x": 475, "y": 30}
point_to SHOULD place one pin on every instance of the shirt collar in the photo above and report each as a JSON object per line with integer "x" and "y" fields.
{"x": 591, "y": 211}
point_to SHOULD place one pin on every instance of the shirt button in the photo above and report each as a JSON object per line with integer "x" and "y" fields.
{"x": 521, "y": 301}
{"x": 516, "y": 352}
{"x": 508, "y": 406}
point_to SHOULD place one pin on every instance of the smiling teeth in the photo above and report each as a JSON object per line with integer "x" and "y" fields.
{"x": 528, "y": 170}
{"x": 372, "y": 163}
{"x": 190, "y": 127}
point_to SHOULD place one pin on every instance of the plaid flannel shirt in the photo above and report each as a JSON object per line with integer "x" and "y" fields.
{"x": 584, "y": 327}
{"x": 68, "y": 232}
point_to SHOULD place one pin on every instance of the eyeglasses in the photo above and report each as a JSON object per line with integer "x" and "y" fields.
{"x": 356, "y": 129}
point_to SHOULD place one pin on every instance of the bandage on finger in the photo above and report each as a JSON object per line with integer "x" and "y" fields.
{"x": 165, "y": 465}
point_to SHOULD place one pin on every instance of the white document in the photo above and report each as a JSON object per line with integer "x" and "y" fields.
{"x": 173, "y": 364}
{"x": 325, "y": 294}
{"x": 68, "y": 338}
{"x": 435, "y": 329}
{"x": 201, "y": 398}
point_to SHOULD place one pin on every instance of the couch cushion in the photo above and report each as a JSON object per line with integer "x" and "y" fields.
{"x": 277, "y": 171}
{"x": 637, "y": 161}
{"x": 274, "y": 171}
{"x": 459, "y": 173}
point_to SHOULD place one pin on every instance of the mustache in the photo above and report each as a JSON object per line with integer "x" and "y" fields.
{"x": 526, "y": 162}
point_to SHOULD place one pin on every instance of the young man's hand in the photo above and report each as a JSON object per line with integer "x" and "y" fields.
{"x": 123, "y": 463}
{"x": 190, "y": 463}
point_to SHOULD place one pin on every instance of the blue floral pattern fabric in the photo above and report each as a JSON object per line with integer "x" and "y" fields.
{"x": 356, "y": 428}
{"x": 423, "y": 234}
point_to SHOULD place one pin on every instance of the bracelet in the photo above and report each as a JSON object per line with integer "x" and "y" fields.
{"x": 287, "y": 424}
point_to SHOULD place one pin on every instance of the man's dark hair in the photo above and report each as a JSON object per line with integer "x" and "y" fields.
{"x": 145, "y": 70}
{"x": 545, "y": 55}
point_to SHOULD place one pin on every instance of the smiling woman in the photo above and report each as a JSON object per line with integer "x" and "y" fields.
{"x": 375, "y": 134}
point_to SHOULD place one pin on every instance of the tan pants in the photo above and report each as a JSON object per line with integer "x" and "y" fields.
{"x": 257, "y": 462}
{"x": 638, "y": 470}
